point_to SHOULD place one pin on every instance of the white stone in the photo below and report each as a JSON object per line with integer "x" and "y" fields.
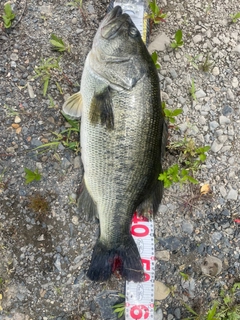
{"x": 224, "y": 120}
{"x": 232, "y": 195}
{"x": 17, "y": 119}
{"x": 200, "y": 94}
{"x": 223, "y": 191}
{"x": 222, "y": 138}
{"x": 197, "y": 38}
{"x": 237, "y": 49}
{"x": 235, "y": 82}
{"x": 163, "y": 255}
{"x": 216, "y": 146}
{"x": 230, "y": 95}
{"x": 215, "y": 71}
{"x": 159, "y": 43}
{"x": 216, "y": 40}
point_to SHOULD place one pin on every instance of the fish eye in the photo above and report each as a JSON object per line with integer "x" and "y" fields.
{"x": 133, "y": 32}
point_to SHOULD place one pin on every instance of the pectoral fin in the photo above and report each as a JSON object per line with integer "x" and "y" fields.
{"x": 73, "y": 105}
{"x": 101, "y": 109}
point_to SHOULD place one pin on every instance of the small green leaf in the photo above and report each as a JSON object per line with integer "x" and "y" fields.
{"x": 211, "y": 313}
{"x": 190, "y": 309}
{"x": 45, "y": 85}
{"x": 176, "y": 112}
{"x": 184, "y": 275}
{"x": 192, "y": 180}
{"x": 8, "y": 9}
{"x": 202, "y": 157}
{"x": 178, "y": 36}
{"x": 31, "y": 175}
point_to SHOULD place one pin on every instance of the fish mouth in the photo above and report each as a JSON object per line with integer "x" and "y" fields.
{"x": 113, "y": 22}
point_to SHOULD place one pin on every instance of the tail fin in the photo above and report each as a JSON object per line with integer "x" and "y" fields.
{"x": 125, "y": 258}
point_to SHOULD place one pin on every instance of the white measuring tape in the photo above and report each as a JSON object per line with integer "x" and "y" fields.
{"x": 139, "y": 304}
{"x": 140, "y": 295}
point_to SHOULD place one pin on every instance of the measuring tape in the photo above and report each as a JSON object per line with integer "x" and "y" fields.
{"x": 140, "y": 295}
{"x": 139, "y": 302}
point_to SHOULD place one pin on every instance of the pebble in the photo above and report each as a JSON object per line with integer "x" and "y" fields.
{"x": 197, "y": 38}
{"x": 163, "y": 255}
{"x": 181, "y": 100}
{"x": 216, "y": 40}
{"x": 200, "y": 94}
{"x": 232, "y": 195}
{"x": 216, "y": 146}
{"x": 74, "y": 20}
{"x": 237, "y": 49}
{"x": 177, "y": 313}
{"x": 213, "y": 125}
{"x": 158, "y": 315}
{"x": 230, "y": 95}
{"x": 187, "y": 227}
{"x": 224, "y": 120}
{"x": 171, "y": 243}
{"x": 223, "y": 191}
{"x": 17, "y": 119}
{"x": 222, "y": 138}
{"x": 226, "y": 110}
{"x": 77, "y": 162}
{"x": 216, "y": 236}
{"x": 215, "y": 71}
{"x": 166, "y": 58}
{"x": 30, "y": 91}
{"x": 235, "y": 82}
{"x": 13, "y": 56}
{"x": 159, "y": 43}
{"x": 173, "y": 73}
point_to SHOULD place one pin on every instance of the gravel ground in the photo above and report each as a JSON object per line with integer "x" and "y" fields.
{"x": 44, "y": 254}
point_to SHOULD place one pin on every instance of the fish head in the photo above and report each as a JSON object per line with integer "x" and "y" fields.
{"x": 118, "y": 52}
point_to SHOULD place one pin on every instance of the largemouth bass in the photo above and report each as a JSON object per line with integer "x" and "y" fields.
{"x": 121, "y": 134}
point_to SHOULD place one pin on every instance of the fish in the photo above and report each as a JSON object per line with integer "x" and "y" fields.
{"x": 122, "y": 139}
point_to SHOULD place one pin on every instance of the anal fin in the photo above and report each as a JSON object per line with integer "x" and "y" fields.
{"x": 73, "y": 105}
{"x": 101, "y": 109}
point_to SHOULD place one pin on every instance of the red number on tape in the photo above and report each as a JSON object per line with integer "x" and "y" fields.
{"x": 146, "y": 276}
{"x": 137, "y": 312}
{"x": 139, "y": 230}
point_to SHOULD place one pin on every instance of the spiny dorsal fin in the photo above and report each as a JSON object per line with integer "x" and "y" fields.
{"x": 73, "y": 105}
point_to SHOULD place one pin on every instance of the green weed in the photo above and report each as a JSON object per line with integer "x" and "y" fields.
{"x": 235, "y": 17}
{"x": 8, "y": 16}
{"x": 10, "y": 111}
{"x": 58, "y": 44}
{"x": 171, "y": 114}
{"x": 190, "y": 158}
{"x": 226, "y": 307}
{"x": 119, "y": 308}
{"x": 184, "y": 276}
{"x": 192, "y": 60}
{"x": 31, "y": 175}
{"x": 192, "y": 91}
{"x": 178, "y": 42}
{"x": 68, "y": 138}
{"x": 176, "y": 175}
{"x": 156, "y": 15}
{"x": 46, "y": 70}
{"x": 154, "y": 58}
{"x": 75, "y": 3}
{"x": 206, "y": 65}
